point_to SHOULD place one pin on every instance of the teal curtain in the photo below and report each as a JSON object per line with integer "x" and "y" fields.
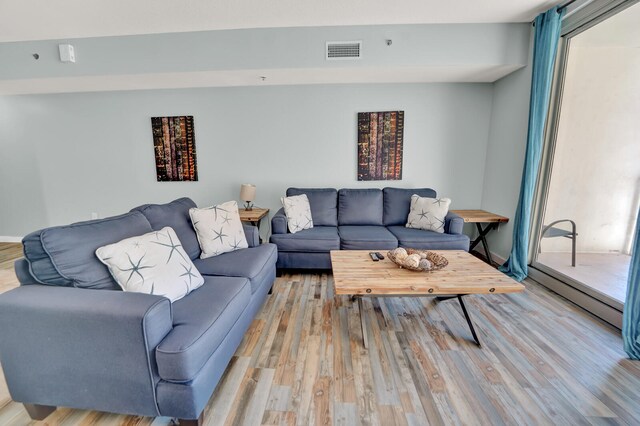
{"x": 631, "y": 314}
{"x": 547, "y": 34}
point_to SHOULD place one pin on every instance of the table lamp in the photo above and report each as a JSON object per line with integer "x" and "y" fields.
{"x": 247, "y": 194}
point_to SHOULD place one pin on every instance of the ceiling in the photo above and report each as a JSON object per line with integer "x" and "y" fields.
{"x": 621, "y": 30}
{"x": 22, "y": 20}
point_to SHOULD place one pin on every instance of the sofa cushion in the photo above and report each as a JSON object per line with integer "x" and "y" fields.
{"x": 298, "y": 212}
{"x": 218, "y": 229}
{"x": 201, "y": 320}
{"x": 428, "y": 213}
{"x": 324, "y": 204}
{"x": 319, "y": 239}
{"x": 39, "y": 263}
{"x": 366, "y": 238}
{"x": 429, "y": 240}
{"x": 71, "y": 250}
{"x": 176, "y": 215}
{"x": 245, "y": 263}
{"x": 360, "y": 207}
{"x": 153, "y": 263}
{"x": 397, "y": 202}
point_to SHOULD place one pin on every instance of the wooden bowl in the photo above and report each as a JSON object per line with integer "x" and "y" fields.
{"x": 437, "y": 260}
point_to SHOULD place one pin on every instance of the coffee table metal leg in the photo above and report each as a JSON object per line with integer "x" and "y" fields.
{"x": 363, "y": 324}
{"x": 468, "y": 318}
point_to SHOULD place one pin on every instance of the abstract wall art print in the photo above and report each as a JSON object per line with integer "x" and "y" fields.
{"x": 175, "y": 148}
{"x": 380, "y": 142}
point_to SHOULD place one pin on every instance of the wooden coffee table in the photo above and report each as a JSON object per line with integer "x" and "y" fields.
{"x": 356, "y": 275}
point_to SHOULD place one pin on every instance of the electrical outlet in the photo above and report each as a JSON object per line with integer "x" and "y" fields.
{"x": 94, "y": 215}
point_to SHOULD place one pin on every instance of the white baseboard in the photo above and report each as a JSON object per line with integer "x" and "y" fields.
{"x": 10, "y": 239}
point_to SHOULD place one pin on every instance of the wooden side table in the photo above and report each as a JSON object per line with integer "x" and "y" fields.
{"x": 479, "y": 217}
{"x": 253, "y": 216}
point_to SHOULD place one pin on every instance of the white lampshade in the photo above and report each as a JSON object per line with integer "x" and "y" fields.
{"x": 247, "y": 192}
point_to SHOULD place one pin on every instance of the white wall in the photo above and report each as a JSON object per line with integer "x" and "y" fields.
{"x": 596, "y": 174}
{"x": 65, "y": 156}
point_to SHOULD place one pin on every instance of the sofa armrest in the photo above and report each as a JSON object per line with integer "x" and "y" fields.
{"x": 252, "y": 234}
{"x": 80, "y": 348}
{"x": 453, "y": 224}
{"x": 21, "y": 267}
{"x": 279, "y": 222}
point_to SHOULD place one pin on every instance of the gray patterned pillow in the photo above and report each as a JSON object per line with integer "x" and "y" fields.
{"x": 428, "y": 213}
{"x": 218, "y": 228}
{"x": 298, "y": 212}
{"x": 153, "y": 263}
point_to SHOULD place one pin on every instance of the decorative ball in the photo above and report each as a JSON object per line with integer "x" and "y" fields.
{"x": 401, "y": 256}
{"x": 399, "y": 251}
{"x": 412, "y": 261}
{"x": 425, "y": 265}
{"x": 423, "y": 255}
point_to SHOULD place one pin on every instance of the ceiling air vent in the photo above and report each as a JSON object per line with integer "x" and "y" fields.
{"x": 343, "y": 50}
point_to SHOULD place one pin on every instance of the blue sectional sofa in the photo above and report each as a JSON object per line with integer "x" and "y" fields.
{"x": 358, "y": 219}
{"x": 69, "y": 337}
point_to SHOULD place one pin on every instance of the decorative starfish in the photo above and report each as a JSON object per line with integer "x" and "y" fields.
{"x": 158, "y": 234}
{"x": 226, "y": 219}
{"x": 172, "y": 246}
{"x": 236, "y": 244}
{"x": 432, "y": 224}
{"x": 219, "y": 235}
{"x": 309, "y": 221}
{"x": 188, "y": 272}
{"x": 441, "y": 223}
{"x": 410, "y": 224}
{"x": 438, "y": 201}
{"x": 423, "y": 215}
{"x": 295, "y": 225}
{"x": 136, "y": 244}
{"x": 135, "y": 268}
{"x": 215, "y": 211}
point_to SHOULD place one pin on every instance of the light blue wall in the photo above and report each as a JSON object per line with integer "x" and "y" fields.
{"x": 505, "y": 153}
{"x": 271, "y": 48}
{"x": 65, "y": 156}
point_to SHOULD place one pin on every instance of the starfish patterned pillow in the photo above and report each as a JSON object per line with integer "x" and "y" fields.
{"x": 218, "y": 228}
{"x": 298, "y": 212}
{"x": 153, "y": 263}
{"x": 428, "y": 213}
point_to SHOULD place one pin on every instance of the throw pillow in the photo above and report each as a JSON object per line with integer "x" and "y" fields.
{"x": 153, "y": 263}
{"x": 298, "y": 212}
{"x": 428, "y": 213}
{"x": 219, "y": 229}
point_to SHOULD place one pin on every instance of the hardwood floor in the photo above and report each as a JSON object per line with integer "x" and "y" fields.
{"x": 543, "y": 361}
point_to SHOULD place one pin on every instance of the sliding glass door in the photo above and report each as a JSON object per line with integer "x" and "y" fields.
{"x": 590, "y": 182}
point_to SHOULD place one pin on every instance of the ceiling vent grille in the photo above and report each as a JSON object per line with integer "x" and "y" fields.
{"x": 343, "y": 50}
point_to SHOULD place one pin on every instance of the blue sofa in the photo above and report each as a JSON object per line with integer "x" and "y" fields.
{"x": 358, "y": 219}
{"x": 69, "y": 337}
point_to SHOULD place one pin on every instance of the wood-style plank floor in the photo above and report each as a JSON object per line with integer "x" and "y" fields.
{"x": 543, "y": 361}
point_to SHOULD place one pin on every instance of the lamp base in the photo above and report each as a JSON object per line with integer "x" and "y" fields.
{"x": 248, "y": 206}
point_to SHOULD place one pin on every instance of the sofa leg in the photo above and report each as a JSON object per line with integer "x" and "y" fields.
{"x": 39, "y": 412}
{"x": 192, "y": 422}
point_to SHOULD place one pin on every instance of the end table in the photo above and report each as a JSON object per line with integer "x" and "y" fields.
{"x": 479, "y": 217}
{"x": 254, "y": 217}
